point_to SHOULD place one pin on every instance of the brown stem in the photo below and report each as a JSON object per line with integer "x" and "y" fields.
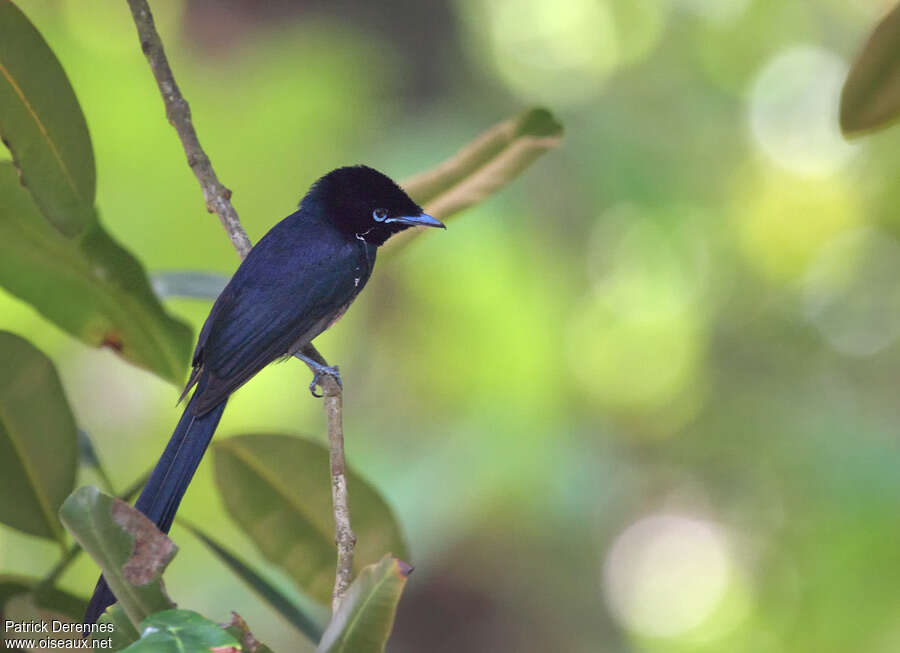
{"x": 218, "y": 201}
{"x": 218, "y": 198}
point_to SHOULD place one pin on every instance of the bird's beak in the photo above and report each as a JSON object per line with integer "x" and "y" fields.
{"x": 421, "y": 220}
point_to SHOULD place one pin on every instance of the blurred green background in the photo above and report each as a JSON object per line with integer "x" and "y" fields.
{"x": 643, "y": 400}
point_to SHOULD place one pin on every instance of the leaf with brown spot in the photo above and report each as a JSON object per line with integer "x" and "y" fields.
{"x": 129, "y": 548}
{"x": 89, "y": 286}
{"x": 43, "y": 126}
{"x": 152, "y": 550}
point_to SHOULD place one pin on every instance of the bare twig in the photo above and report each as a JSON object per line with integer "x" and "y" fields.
{"x": 218, "y": 201}
{"x": 343, "y": 533}
{"x": 218, "y": 198}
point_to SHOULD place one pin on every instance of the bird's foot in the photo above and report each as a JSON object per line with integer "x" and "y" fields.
{"x": 320, "y": 370}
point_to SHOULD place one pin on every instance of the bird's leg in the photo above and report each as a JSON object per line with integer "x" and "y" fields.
{"x": 314, "y": 360}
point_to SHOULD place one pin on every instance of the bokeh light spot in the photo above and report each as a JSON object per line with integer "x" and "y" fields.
{"x": 636, "y": 342}
{"x": 562, "y": 51}
{"x": 666, "y": 574}
{"x": 794, "y": 111}
{"x": 784, "y": 220}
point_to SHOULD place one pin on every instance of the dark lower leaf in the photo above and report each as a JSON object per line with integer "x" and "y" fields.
{"x": 38, "y": 440}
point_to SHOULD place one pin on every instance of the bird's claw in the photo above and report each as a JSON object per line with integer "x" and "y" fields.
{"x": 324, "y": 370}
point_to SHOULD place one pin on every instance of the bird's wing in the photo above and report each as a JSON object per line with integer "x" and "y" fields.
{"x": 253, "y": 324}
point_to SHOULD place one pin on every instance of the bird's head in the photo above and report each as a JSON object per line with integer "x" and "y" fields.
{"x": 363, "y": 203}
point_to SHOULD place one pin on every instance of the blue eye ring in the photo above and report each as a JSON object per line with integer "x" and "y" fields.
{"x": 379, "y": 215}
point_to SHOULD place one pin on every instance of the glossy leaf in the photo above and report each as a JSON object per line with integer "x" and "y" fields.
{"x": 182, "y": 631}
{"x": 38, "y": 440}
{"x": 871, "y": 95}
{"x": 278, "y": 490}
{"x": 307, "y": 624}
{"x": 90, "y": 286}
{"x": 482, "y": 167}
{"x": 365, "y": 619}
{"x": 130, "y": 550}
{"x": 42, "y": 125}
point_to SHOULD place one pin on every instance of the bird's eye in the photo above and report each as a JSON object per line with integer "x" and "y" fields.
{"x": 379, "y": 215}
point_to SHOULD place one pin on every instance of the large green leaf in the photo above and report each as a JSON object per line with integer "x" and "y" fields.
{"x": 482, "y": 167}
{"x": 88, "y": 285}
{"x": 130, "y": 550}
{"x": 42, "y": 125}
{"x": 365, "y": 619}
{"x": 38, "y": 440}
{"x": 182, "y": 631}
{"x": 278, "y": 489}
{"x": 871, "y": 95}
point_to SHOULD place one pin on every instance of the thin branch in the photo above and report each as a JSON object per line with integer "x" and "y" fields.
{"x": 218, "y": 201}
{"x": 343, "y": 533}
{"x": 218, "y": 198}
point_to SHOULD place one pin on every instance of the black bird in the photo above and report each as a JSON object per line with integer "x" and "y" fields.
{"x": 295, "y": 283}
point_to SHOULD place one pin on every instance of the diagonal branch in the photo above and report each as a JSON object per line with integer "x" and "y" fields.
{"x": 218, "y": 201}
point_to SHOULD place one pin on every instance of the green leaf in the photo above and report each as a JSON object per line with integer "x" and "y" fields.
{"x": 482, "y": 167}
{"x": 278, "y": 489}
{"x": 42, "y": 125}
{"x": 364, "y": 621}
{"x": 182, "y": 631}
{"x": 307, "y": 624}
{"x": 38, "y": 440}
{"x": 871, "y": 95}
{"x": 123, "y": 632}
{"x": 130, "y": 550}
{"x": 90, "y": 286}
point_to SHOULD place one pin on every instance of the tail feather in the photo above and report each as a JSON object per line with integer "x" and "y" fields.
{"x": 162, "y": 494}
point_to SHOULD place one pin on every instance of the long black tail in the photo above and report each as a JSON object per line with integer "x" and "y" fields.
{"x": 170, "y": 478}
